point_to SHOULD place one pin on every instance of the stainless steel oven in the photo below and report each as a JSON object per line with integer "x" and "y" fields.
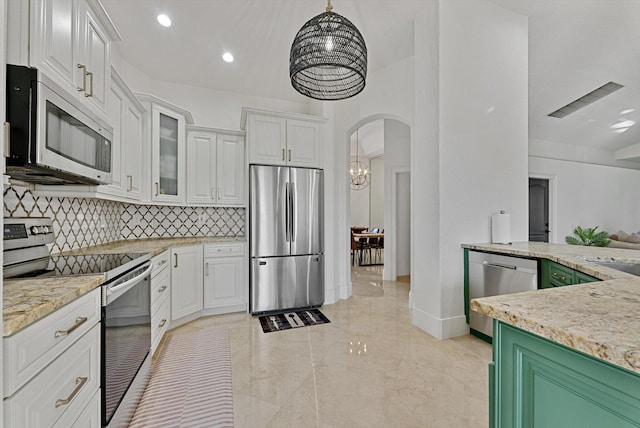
{"x": 126, "y": 342}
{"x": 126, "y": 307}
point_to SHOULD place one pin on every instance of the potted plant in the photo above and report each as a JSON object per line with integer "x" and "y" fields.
{"x": 588, "y": 237}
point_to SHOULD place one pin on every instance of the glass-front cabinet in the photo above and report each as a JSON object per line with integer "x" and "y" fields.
{"x": 167, "y": 149}
{"x": 168, "y": 168}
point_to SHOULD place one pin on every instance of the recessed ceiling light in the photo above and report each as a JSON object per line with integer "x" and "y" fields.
{"x": 627, "y": 111}
{"x": 164, "y": 20}
{"x": 623, "y": 124}
{"x": 227, "y": 57}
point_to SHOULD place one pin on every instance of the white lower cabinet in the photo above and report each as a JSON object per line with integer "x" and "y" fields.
{"x": 186, "y": 281}
{"x": 90, "y": 416}
{"x": 160, "y": 300}
{"x": 57, "y": 395}
{"x": 224, "y": 278}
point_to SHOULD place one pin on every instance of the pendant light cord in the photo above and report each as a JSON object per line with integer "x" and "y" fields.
{"x": 329, "y": 7}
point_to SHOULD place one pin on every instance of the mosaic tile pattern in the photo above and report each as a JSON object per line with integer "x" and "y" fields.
{"x": 151, "y": 221}
{"x": 82, "y": 222}
{"x": 77, "y": 222}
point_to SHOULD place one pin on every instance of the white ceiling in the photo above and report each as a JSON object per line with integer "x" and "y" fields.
{"x": 575, "y": 46}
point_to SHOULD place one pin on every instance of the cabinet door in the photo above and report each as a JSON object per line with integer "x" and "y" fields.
{"x": 54, "y": 41}
{"x": 133, "y": 140}
{"x": 94, "y": 53}
{"x": 267, "y": 140}
{"x": 116, "y": 109}
{"x": 224, "y": 283}
{"x": 541, "y": 384}
{"x": 168, "y": 150}
{"x": 304, "y": 143}
{"x": 186, "y": 281}
{"x": 230, "y": 170}
{"x": 201, "y": 171}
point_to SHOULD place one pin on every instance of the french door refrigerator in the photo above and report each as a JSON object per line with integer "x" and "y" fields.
{"x": 286, "y": 238}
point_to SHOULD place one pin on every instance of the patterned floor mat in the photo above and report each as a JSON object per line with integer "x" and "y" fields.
{"x": 289, "y": 320}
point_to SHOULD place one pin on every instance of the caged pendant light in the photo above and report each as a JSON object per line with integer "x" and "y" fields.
{"x": 328, "y": 59}
{"x": 358, "y": 171}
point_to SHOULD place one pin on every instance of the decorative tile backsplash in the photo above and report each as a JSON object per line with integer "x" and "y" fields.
{"x": 81, "y": 222}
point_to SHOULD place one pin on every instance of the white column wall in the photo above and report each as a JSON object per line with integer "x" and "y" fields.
{"x": 483, "y": 136}
{"x": 591, "y": 195}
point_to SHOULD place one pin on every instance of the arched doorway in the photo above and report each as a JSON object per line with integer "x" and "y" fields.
{"x": 383, "y": 145}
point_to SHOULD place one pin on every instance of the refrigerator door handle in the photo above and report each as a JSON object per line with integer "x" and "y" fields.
{"x": 287, "y": 214}
{"x": 292, "y": 196}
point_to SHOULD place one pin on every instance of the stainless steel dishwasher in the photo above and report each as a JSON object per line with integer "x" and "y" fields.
{"x": 494, "y": 274}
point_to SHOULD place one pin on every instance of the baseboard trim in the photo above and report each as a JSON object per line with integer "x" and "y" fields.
{"x": 404, "y": 278}
{"x": 440, "y": 328}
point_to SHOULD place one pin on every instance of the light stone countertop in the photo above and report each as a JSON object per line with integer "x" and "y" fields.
{"x": 26, "y": 301}
{"x": 601, "y": 319}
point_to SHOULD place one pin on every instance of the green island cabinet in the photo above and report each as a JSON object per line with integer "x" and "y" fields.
{"x": 557, "y": 275}
{"x": 537, "y": 383}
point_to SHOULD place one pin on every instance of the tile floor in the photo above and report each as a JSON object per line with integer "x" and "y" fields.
{"x": 370, "y": 367}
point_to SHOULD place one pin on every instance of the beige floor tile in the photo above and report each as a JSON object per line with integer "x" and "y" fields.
{"x": 370, "y": 367}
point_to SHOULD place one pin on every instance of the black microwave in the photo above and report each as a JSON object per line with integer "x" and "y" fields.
{"x": 53, "y": 139}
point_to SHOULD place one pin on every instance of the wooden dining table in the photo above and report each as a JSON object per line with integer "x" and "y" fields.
{"x": 363, "y": 237}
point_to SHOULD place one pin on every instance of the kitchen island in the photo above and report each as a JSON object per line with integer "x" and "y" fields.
{"x": 568, "y": 356}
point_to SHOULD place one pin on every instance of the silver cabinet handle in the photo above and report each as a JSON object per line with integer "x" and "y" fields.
{"x": 560, "y": 277}
{"x": 212, "y": 193}
{"x": 162, "y": 323}
{"x": 90, "y": 93}
{"x": 79, "y": 322}
{"x": 175, "y": 256}
{"x": 84, "y": 78}
{"x": 161, "y": 289}
{"x": 157, "y": 188}
{"x": 283, "y": 154}
{"x": 80, "y": 381}
{"x": 129, "y": 183}
{"x": 289, "y": 155}
{"x": 206, "y": 269}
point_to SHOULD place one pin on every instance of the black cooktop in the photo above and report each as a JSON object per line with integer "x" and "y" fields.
{"x": 111, "y": 265}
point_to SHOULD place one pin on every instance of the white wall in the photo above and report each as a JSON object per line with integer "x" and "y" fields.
{"x": 591, "y": 195}
{"x": 377, "y": 192}
{"x": 209, "y": 107}
{"x": 397, "y": 146}
{"x": 482, "y": 146}
{"x": 403, "y": 224}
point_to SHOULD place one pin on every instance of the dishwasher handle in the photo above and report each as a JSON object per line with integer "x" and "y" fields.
{"x": 498, "y": 265}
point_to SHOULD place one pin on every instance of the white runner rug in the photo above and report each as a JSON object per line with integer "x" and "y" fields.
{"x": 190, "y": 383}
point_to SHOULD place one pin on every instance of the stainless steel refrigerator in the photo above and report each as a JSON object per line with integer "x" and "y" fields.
{"x": 286, "y": 238}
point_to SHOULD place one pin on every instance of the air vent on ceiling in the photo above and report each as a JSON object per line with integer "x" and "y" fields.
{"x": 587, "y": 99}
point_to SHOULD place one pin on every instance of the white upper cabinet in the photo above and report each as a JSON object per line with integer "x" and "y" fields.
{"x": 69, "y": 40}
{"x": 281, "y": 139}
{"x": 167, "y": 149}
{"x": 215, "y": 166}
{"x": 127, "y": 116}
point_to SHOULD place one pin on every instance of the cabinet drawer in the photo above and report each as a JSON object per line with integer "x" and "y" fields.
{"x": 160, "y": 288}
{"x": 223, "y": 250}
{"x": 59, "y": 393}
{"x": 160, "y": 322}
{"x": 560, "y": 275}
{"x": 31, "y": 349}
{"x": 90, "y": 416}
{"x": 160, "y": 262}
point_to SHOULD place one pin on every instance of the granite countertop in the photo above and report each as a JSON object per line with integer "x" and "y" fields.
{"x": 601, "y": 319}
{"x": 26, "y": 301}
{"x": 154, "y": 246}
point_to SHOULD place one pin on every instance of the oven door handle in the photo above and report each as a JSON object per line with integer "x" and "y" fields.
{"x": 121, "y": 288}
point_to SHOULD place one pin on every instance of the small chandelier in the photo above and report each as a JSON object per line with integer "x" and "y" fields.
{"x": 358, "y": 171}
{"x": 328, "y": 59}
